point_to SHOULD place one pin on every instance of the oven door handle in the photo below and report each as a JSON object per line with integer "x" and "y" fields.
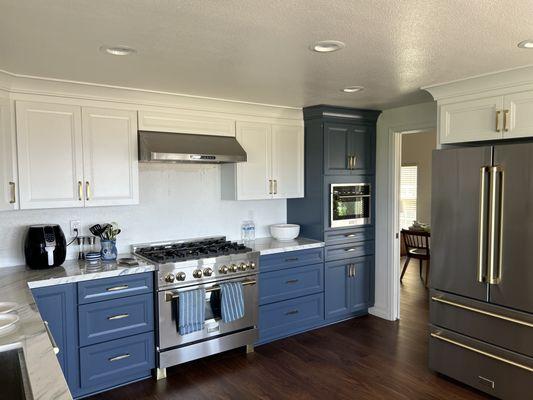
{"x": 169, "y": 296}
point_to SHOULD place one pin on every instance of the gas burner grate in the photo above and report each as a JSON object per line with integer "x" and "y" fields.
{"x": 192, "y": 250}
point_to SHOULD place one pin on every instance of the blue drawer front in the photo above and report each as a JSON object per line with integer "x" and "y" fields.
{"x": 349, "y": 250}
{"x": 112, "y": 288}
{"x": 291, "y": 259}
{"x": 289, "y": 283}
{"x": 286, "y": 317}
{"x": 116, "y": 362}
{"x": 113, "y": 319}
{"x": 350, "y": 235}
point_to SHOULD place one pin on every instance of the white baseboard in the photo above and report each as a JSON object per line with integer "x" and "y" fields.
{"x": 380, "y": 313}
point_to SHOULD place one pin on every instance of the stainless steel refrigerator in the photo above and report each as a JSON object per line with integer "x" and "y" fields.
{"x": 481, "y": 278}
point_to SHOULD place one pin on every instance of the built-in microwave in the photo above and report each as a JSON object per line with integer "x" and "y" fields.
{"x": 349, "y": 204}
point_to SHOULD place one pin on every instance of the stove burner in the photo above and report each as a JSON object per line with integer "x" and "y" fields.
{"x": 192, "y": 250}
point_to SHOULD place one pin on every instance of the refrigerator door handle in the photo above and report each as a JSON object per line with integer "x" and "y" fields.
{"x": 495, "y": 225}
{"x": 482, "y": 250}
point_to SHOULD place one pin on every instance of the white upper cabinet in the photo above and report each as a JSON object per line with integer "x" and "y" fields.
{"x": 486, "y": 107}
{"x": 186, "y": 121}
{"x": 8, "y": 181}
{"x": 50, "y": 156}
{"x": 274, "y": 166}
{"x": 288, "y": 161}
{"x": 469, "y": 121}
{"x": 518, "y": 115}
{"x": 110, "y": 163}
{"x": 69, "y": 156}
{"x": 254, "y": 176}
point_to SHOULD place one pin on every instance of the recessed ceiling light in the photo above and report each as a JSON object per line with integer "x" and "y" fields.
{"x": 118, "y": 50}
{"x": 327, "y": 46}
{"x": 526, "y": 44}
{"x": 352, "y": 89}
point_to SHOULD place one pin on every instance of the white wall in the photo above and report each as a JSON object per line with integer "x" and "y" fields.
{"x": 176, "y": 201}
{"x": 415, "y": 117}
{"x": 416, "y": 150}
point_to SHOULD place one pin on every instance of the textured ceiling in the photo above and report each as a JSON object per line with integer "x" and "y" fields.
{"x": 257, "y": 50}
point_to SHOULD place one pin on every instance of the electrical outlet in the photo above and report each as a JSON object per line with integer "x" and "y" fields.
{"x": 75, "y": 228}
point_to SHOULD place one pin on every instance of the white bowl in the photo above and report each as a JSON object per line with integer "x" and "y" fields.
{"x": 284, "y": 232}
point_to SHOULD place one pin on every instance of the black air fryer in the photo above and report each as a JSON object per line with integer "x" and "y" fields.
{"x": 45, "y": 246}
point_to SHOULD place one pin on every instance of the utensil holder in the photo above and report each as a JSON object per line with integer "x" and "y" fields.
{"x": 108, "y": 250}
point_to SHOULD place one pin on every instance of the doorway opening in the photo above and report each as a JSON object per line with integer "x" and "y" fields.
{"x": 414, "y": 219}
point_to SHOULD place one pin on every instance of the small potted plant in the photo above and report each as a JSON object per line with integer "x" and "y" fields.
{"x": 108, "y": 242}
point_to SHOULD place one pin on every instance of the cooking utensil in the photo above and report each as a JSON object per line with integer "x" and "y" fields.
{"x": 97, "y": 230}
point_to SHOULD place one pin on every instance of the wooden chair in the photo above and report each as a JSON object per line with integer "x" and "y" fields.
{"x": 417, "y": 246}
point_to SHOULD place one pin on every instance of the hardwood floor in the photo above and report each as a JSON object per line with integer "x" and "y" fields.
{"x": 364, "y": 358}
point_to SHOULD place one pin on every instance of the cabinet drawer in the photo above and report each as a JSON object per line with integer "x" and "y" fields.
{"x": 501, "y": 373}
{"x": 113, "y": 319}
{"x": 289, "y": 283}
{"x": 351, "y": 235}
{"x": 116, "y": 362}
{"x": 290, "y": 316}
{"x": 112, "y": 288}
{"x": 349, "y": 250}
{"x": 291, "y": 259}
{"x": 499, "y": 326}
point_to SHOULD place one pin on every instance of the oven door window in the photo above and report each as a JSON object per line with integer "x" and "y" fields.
{"x": 349, "y": 207}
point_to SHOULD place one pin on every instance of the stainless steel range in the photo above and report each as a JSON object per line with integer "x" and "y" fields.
{"x": 201, "y": 263}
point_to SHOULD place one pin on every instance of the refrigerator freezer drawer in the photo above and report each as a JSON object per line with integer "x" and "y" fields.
{"x": 493, "y": 370}
{"x": 500, "y": 326}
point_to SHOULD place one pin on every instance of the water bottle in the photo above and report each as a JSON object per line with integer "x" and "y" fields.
{"x": 244, "y": 231}
{"x": 251, "y": 231}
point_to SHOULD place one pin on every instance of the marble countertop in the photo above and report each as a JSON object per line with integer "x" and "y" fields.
{"x": 270, "y": 245}
{"x": 29, "y": 334}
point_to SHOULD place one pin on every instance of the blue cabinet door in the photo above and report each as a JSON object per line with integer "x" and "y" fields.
{"x": 337, "y": 290}
{"x": 360, "y": 284}
{"x": 336, "y": 148}
{"x": 58, "y": 306}
{"x": 361, "y": 147}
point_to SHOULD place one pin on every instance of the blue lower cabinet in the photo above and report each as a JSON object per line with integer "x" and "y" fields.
{"x": 287, "y": 317}
{"x": 289, "y": 283}
{"x": 116, "y": 362}
{"x": 347, "y": 287}
{"x": 291, "y": 259}
{"x": 113, "y": 319}
{"x": 113, "y": 288}
{"x": 58, "y": 306}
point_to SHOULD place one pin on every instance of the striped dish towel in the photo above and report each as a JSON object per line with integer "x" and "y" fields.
{"x": 232, "y": 301}
{"x": 191, "y": 311}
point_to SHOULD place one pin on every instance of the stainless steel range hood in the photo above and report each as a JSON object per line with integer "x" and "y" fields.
{"x": 181, "y": 147}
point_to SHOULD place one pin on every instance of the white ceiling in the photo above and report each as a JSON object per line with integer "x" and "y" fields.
{"x": 257, "y": 50}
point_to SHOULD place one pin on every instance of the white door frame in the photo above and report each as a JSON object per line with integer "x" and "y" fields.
{"x": 395, "y": 153}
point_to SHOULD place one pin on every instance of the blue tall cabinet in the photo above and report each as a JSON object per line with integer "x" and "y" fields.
{"x": 335, "y": 138}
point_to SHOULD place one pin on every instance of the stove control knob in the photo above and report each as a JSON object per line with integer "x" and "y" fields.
{"x": 243, "y": 267}
{"x": 181, "y": 276}
{"x": 169, "y": 278}
{"x": 223, "y": 270}
{"x": 197, "y": 273}
{"x": 233, "y": 268}
{"x": 208, "y": 272}
{"x": 252, "y": 265}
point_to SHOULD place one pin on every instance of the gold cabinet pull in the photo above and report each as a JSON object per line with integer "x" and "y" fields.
{"x": 13, "y": 199}
{"x": 270, "y": 186}
{"x": 498, "y": 129}
{"x": 478, "y": 351}
{"x": 292, "y": 312}
{"x": 354, "y": 162}
{"x": 119, "y": 316}
{"x": 121, "y": 357}
{"x": 354, "y": 271}
{"x": 115, "y": 288}
{"x": 80, "y": 191}
{"x": 506, "y": 120}
{"x": 495, "y": 221}
{"x": 88, "y": 190}
{"x": 291, "y": 281}
{"x": 483, "y": 312}
{"x": 275, "y": 186}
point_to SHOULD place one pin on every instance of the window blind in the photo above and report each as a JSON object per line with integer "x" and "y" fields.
{"x": 408, "y": 188}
